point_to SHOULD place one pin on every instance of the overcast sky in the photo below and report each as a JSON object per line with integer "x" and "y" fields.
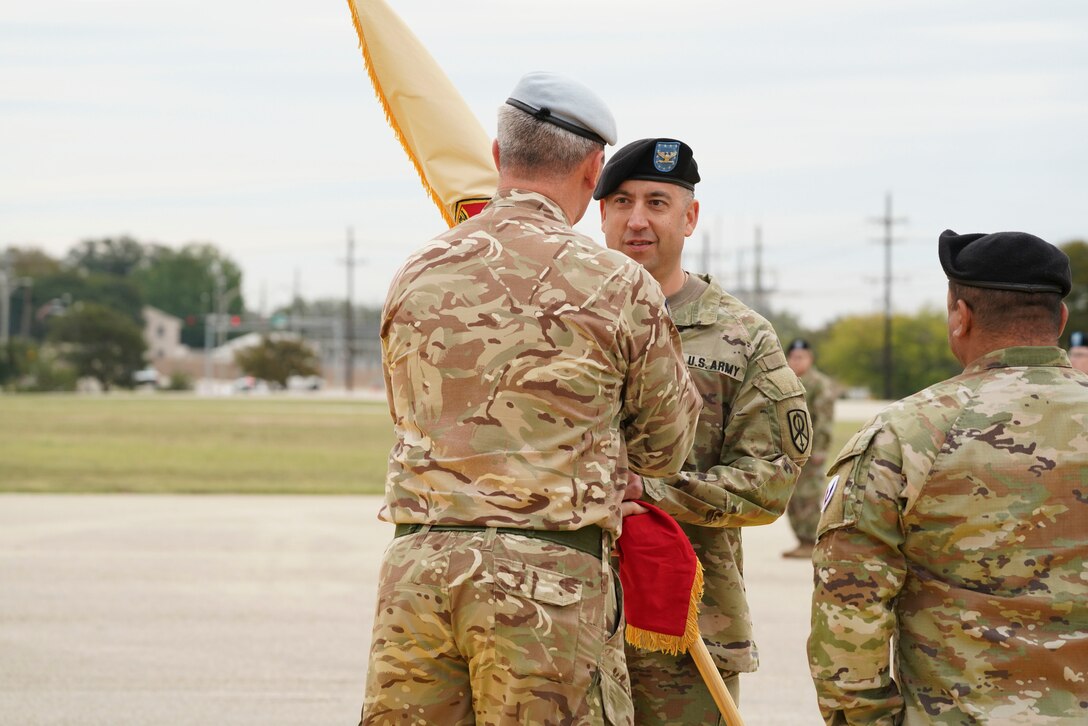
{"x": 252, "y": 125}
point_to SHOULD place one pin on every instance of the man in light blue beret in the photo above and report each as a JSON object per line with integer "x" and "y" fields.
{"x": 519, "y": 357}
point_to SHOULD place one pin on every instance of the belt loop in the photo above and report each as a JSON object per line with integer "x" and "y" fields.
{"x": 425, "y": 529}
{"x": 489, "y": 538}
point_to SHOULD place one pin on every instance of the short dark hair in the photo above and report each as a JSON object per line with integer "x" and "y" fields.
{"x": 1011, "y": 311}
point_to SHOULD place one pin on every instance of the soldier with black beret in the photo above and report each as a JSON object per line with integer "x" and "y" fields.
{"x": 753, "y": 434}
{"x": 820, "y": 394}
{"x": 953, "y": 522}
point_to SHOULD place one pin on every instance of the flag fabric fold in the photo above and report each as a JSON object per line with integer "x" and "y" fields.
{"x": 445, "y": 142}
{"x": 662, "y": 582}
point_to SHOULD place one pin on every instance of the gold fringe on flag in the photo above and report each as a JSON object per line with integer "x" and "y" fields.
{"x": 673, "y": 644}
{"x": 447, "y": 146}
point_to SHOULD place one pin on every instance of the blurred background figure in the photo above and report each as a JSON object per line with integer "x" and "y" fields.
{"x": 1078, "y": 350}
{"x": 820, "y": 393}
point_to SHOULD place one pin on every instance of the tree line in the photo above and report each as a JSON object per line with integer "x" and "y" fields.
{"x": 83, "y": 315}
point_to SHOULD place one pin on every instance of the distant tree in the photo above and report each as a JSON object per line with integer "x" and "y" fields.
{"x": 184, "y": 283}
{"x": 119, "y": 256}
{"x": 1078, "y": 297}
{"x": 31, "y": 262}
{"x": 852, "y": 351}
{"x": 100, "y": 342}
{"x": 276, "y": 358}
{"x": 55, "y": 292}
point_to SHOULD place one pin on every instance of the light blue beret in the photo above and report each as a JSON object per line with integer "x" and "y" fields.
{"x": 565, "y": 103}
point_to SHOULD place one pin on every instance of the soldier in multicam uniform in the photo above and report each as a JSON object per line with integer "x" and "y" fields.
{"x": 954, "y": 522}
{"x": 519, "y": 356}
{"x": 753, "y": 434}
{"x": 804, "y": 507}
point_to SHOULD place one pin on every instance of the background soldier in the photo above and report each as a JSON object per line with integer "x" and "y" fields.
{"x": 753, "y": 434}
{"x": 1078, "y": 350}
{"x": 804, "y": 507}
{"x": 518, "y": 356}
{"x": 954, "y": 523}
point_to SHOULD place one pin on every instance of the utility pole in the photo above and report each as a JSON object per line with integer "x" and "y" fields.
{"x": 349, "y": 315}
{"x": 759, "y": 296}
{"x": 706, "y": 253}
{"x": 6, "y": 282}
{"x": 5, "y": 311}
{"x": 888, "y": 221}
{"x": 28, "y": 294}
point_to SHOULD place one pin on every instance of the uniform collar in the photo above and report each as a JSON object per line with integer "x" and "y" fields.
{"x": 1029, "y": 356}
{"x": 702, "y": 311}
{"x": 525, "y": 199}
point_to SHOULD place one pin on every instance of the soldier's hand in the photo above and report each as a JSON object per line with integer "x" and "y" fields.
{"x": 631, "y": 494}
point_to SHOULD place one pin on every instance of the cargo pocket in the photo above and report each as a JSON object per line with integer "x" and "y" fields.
{"x": 615, "y": 683}
{"x": 537, "y": 615}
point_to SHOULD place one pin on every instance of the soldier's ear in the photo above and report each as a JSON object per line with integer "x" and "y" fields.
{"x": 965, "y": 318}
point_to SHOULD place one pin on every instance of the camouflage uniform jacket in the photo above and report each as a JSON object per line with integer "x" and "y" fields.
{"x": 820, "y": 398}
{"x": 518, "y": 356}
{"x": 752, "y": 439}
{"x": 955, "y": 525}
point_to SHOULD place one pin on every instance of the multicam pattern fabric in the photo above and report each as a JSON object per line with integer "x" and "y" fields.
{"x": 956, "y": 525}
{"x": 495, "y": 629}
{"x": 526, "y": 368}
{"x": 804, "y": 507}
{"x": 752, "y": 439}
{"x": 519, "y": 355}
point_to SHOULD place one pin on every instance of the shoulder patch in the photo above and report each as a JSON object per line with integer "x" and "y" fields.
{"x": 800, "y": 431}
{"x": 829, "y": 492}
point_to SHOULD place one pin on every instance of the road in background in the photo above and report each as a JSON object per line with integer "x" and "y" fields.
{"x": 121, "y": 610}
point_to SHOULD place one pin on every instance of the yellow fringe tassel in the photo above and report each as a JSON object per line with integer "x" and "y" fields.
{"x": 673, "y": 644}
{"x": 446, "y": 214}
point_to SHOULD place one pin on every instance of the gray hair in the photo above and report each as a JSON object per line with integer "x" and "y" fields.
{"x": 533, "y": 147}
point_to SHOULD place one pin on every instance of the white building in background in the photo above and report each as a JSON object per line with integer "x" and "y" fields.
{"x": 162, "y": 333}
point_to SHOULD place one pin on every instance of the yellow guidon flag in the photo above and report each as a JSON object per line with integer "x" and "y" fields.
{"x": 448, "y": 147}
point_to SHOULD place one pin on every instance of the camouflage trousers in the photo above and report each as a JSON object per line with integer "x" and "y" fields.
{"x": 804, "y": 507}
{"x": 668, "y": 690}
{"x": 491, "y": 628}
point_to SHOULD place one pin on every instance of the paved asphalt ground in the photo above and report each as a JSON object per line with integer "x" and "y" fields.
{"x": 224, "y": 610}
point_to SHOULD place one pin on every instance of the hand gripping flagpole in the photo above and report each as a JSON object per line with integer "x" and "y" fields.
{"x": 663, "y": 586}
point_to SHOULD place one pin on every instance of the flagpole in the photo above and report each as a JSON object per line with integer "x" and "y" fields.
{"x": 713, "y": 679}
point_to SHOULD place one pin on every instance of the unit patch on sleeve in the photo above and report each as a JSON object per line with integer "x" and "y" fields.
{"x": 799, "y": 430}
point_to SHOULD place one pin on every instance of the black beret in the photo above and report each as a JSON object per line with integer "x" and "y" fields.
{"x": 798, "y": 344}
{"x": 1077, "y": 339}
{"x": 1004, "y": 261}
{"x": 666, "y": 160}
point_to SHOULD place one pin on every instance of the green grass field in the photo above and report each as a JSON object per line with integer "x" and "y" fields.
{"x": 165, "y": 443}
